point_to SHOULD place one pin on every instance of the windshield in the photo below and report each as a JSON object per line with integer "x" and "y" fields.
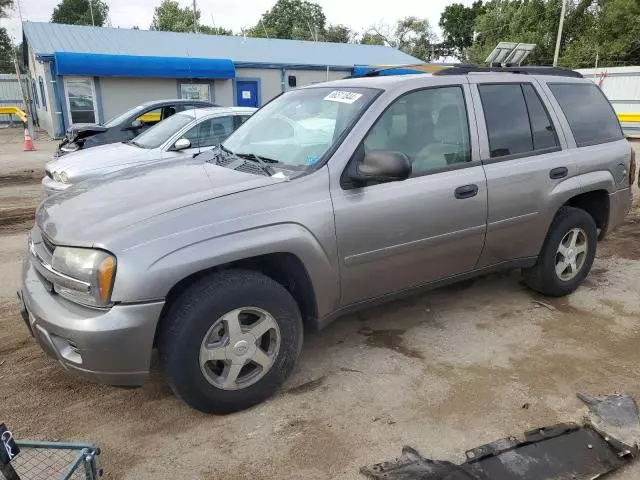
{"x": 115, "y": 121}
{"x": 163, "y": 131}
{"x": 295, "y": 130}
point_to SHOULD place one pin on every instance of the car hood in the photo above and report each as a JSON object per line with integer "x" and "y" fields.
{"x": 81, "y": 130}
{"x": 92, "y": 212}
{"x": 102, "y": 157}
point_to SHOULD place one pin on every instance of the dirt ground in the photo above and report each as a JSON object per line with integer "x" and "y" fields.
{"x": 442, "y": 372}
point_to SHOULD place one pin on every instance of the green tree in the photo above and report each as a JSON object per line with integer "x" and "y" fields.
{"x": 412, "y": 35}
{"x": 170, "y": 17}
{"x": 214, "y": 30}
{"x": 370, "y": 38}
{"x": 457, "y": 24}
{"x": 5, "y": 6}
{"x": 6, "y": 53}
{"x": 78, "y": 12}
{"x": 291, "y": 19}
{"x": 337, "y": 34}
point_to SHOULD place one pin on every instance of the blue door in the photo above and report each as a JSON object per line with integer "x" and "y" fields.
{"x": 247, "y": 93}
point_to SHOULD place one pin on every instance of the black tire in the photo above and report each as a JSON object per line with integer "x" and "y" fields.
{"x": 542, "y": 276}
{"x": 194, "y": 312}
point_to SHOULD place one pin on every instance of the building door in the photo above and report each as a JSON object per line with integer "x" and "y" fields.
{"x": 81, "y": 99}
{"x": 247, "y": 93}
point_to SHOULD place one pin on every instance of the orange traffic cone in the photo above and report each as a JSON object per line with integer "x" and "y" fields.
{"x": 28, "y": 143}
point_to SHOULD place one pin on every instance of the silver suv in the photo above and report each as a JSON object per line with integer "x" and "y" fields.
{"x": 328, "y": 199}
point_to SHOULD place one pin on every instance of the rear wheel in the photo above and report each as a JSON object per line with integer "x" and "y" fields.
{"x": 230, "y": 340}
{"x": 567, "y": 254}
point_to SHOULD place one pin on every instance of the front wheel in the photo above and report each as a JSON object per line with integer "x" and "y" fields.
{"x": 567, "y": 254}
{"x": 230, "y": 340}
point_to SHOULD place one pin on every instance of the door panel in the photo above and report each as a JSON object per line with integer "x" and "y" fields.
{"x": 247, "y": 93}
{"x": 400, "y": 235}
{"x": 395, "y": 236}
{"x": 518, "y": 166}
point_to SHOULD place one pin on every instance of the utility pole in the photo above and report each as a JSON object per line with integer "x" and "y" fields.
{"x": 559, "y": 37}
{"x": 91, "y": 10}
{"x": 25, "y": 102}
{"x": 195, "y": 18}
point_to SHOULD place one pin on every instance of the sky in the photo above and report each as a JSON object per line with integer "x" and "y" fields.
{"x": 235, "y": 14}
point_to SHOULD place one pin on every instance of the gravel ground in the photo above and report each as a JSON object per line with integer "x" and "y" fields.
{"x": 442, "y": 372}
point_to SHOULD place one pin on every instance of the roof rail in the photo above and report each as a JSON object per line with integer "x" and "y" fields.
{"x": 533, "y": 70}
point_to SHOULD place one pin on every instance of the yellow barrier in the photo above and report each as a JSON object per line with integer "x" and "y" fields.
{"x": 14, "y": 111}
{"x": 149, "y": 117}
{"x": 629, "y": 117}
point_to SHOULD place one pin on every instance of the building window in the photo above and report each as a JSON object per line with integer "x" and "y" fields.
{"x": 43, "y": 97}
{"x": 34, "y": 92}
{"x": 81, "y": 99}
{"x": 195, "y": 91}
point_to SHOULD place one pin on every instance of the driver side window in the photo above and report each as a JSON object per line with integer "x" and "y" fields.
{"x": 150, "y": 117}
{"x": 429, "y": 126}
{"x": 210, "y": 132}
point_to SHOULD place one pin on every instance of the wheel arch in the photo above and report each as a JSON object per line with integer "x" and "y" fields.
{"x": 283, "y": 267}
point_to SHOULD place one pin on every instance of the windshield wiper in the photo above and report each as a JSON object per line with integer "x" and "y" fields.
{"x": 263, "y": 162}
{"x": 133, "y": 142}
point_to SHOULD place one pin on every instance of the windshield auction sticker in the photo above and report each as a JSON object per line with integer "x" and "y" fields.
{"x": 343, "y": 96}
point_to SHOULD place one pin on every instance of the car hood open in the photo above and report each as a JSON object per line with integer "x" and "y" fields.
{"x": 96, "y": 210}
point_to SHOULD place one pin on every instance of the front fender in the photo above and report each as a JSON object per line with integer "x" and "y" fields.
{"x": 155, "y": 281}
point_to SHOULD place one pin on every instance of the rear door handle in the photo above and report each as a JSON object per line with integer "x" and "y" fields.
{"x": 466, "y": 191}
{"x": 558, "y": 172}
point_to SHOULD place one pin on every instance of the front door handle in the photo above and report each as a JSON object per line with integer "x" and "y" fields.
{"x": 466, "y": 191}
{"x": 558, "y": 172}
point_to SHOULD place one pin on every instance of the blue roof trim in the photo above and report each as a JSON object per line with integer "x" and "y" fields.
{"x": 357, "y": 71}
{"x": 103, "y": 65}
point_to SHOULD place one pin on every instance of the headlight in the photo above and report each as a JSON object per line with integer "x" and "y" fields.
{"x": 97, "y": 268}
{"x": 70, "y": 147}
{"x": 63, "y": 177}
{"x": 56, "y": 176}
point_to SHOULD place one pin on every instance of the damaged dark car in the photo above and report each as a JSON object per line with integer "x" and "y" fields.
{"x": 123, "y": 127}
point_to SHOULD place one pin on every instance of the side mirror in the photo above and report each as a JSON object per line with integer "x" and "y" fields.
{"x": 136, "y": 124}
{"x": 381, "y": 166}
{"x": 182, "y": 144}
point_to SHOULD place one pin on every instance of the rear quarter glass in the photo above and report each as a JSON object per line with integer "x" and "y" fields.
{"x": 590, "y": 115}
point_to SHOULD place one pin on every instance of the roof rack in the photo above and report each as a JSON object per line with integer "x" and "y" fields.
{"x": 534, "y": 70}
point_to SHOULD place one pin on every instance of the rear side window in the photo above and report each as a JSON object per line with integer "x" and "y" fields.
{"x": 517, "y": 122}
{"x": 544, "y": 136}
{"x": 590, "y": 116}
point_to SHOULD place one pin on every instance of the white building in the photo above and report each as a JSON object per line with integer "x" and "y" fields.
{"x": 83, "y": 74}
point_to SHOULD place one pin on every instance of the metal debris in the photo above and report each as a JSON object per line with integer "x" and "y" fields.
{"x": 608, "y": 440}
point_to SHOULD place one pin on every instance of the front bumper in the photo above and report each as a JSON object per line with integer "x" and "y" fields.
{"x": 108, "y": 346}
{"x": 51, "y": 187}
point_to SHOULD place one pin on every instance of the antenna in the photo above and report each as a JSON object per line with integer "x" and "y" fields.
{"x": 195, "y": 18}
{"x": 91, "y": 10}
{"x": 263, "y": 27}
{"x": 313, "y": 37}
{"x": 20, "y": 11}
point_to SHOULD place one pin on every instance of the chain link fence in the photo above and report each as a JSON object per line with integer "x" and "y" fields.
{"x": 56, "y": 461}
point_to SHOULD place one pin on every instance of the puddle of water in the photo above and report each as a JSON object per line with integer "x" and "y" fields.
{"x": 390, "y": 339}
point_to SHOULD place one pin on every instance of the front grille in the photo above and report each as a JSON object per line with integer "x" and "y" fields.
{"x": 49, "y": 174}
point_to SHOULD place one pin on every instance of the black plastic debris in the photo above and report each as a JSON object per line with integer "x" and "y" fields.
{"x": 607, "y": 441}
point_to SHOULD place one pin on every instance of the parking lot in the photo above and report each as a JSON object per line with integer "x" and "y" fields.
{"x": 442, "y": 372}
